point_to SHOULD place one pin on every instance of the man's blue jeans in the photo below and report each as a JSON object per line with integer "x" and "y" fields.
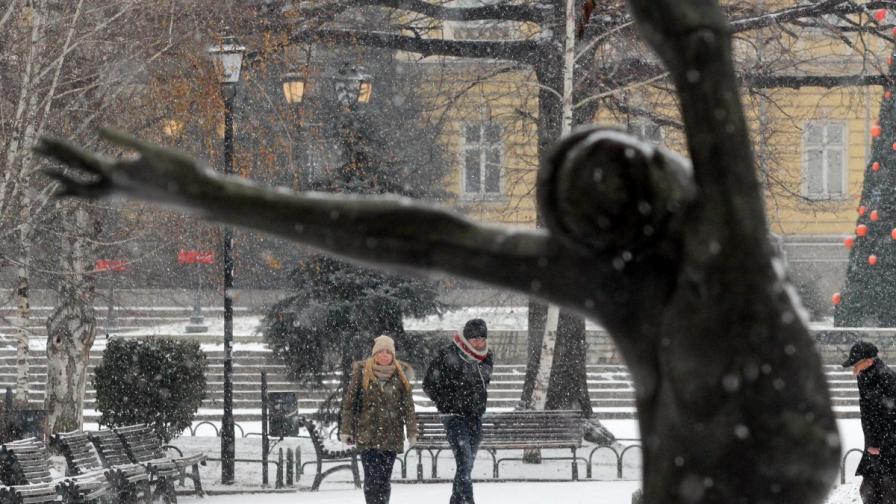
{"x": 464, "y": 435}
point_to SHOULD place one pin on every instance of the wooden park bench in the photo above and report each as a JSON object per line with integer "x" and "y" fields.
{"x": 25, "y": 467}
{"x": 129, "y": 482}
{"x": 39, "y": 493}
{"x": 112, "y": 452}
{"x": 511, "y": 430}
{"x": 347, "y": 459}
{"x": 144, "y": 447}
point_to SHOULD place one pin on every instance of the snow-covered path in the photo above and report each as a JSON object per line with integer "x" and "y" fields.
{"x": 590, "y": 492}
{"x": 602, "y": 492}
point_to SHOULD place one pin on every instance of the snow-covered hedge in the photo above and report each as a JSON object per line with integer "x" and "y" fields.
{"x": 154, "y": 381}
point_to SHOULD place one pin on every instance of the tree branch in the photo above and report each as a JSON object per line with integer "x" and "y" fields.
{"x": 521, "y": 51}
{"x": 837, "y": 7}
{"x": 523, "y": 13}
{"x": 823, "y": 81}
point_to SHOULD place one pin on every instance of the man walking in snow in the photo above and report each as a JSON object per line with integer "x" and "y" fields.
{"x": 457, "y": 382}
{"x": 877, "y": 403}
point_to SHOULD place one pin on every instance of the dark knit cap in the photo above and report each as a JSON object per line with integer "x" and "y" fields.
{"x": 860, "y": 351}
{"x": 475, "y": 328}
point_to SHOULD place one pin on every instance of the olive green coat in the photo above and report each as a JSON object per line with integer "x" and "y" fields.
{"x": 386, "y": 409}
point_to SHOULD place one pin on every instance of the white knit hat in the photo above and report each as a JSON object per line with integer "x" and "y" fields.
{"x": 383, "y": 343}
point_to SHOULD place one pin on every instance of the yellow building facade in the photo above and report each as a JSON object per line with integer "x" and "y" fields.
{"x": 811, "y": 144}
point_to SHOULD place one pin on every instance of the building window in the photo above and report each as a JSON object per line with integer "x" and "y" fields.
{"x": 646, "y": 129}
{"x": 486, "y": 29}
{"x": 481, "y": 159}
{"x": 824, "y": 147}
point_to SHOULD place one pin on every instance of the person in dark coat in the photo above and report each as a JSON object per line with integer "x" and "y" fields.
{"x": 377, "y": 409}
{"x": 457, "y": 382}
{"x": 877, "y": 403}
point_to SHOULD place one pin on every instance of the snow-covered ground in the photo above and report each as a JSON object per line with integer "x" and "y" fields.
{"x": 590, "y": 492}
{"x": 603, "y": 488}
{"x": 516, "y": 493}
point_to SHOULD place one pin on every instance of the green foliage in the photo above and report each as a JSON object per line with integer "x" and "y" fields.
{"x": 153, "y": 381}
{"x": 869, "y": 297}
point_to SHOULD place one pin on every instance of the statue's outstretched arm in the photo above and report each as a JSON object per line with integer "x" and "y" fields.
{"x": 395, "y": 232}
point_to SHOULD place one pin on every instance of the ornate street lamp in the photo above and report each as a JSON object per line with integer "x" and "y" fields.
{"x": 352, "y": 86}
{"x": 228, "y": 57}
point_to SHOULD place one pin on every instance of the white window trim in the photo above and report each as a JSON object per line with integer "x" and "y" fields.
{"x": 462, "y": 155}
{"x": 449, "y": 27}
{"x": 844, "y": 151}
{"x": 642, "y": 124}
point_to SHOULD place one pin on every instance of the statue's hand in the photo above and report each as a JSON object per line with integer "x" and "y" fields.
{"x": 157, "y": 174}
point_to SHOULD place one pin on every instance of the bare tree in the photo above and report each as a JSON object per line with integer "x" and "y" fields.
{"x": 66, "y": 67}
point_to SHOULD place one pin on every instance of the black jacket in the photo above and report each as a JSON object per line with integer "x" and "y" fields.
{"x": 877, "y": 401}
{"x": 457, "y": 384}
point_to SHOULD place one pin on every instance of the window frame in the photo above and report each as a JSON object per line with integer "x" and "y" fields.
{"x": 825, "y": 147}
{"x": 639, "y": 127}
{"x": 484, "y": 148}
{"x": 452, "y": 29}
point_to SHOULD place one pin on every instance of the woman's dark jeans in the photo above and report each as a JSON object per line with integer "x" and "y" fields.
{"x": 377, "y": 475}
{"x": 464, "y": 435}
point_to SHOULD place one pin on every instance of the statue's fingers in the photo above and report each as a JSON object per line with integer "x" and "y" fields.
{"x": 124, "y": 139}
{"x": 147, "y": 150}
{"x": 69, "y": 187}
{"x": 66, "y": 183}
{"x": 70, "y": 155}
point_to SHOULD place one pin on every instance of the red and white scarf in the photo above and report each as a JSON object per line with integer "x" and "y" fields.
{"x": 467, "y": 349}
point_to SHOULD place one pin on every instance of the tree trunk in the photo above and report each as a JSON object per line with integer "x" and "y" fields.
{"x": 22, "y": 301}
{"x": 566, "y": 388}
{"x": 71, "y": 330}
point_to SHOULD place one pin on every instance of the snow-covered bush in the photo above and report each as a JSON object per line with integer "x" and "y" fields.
{"x": 154, "y": 381}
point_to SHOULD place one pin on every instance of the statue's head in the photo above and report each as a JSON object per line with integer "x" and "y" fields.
{"x": 603, "y": 189}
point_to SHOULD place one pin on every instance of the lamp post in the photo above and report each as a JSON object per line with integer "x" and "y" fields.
{"x": 228, "y": 58}
{"x": 294, "y": 86}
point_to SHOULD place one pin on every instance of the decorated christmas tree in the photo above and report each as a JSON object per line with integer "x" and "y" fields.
{"x": 869, "y": 297}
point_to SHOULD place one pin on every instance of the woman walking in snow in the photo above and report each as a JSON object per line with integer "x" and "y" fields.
{"x": 376, "y": 410}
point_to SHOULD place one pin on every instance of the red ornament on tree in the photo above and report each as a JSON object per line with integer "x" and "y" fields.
{"x": 872, "y": 259}
{"x": 836, "y": 298}
{"x": 893, "y": 234}
{"x": 849, "y": 241}
{"x": 888, "y": 94}
{"x": 862, "y": 210}
{"x": 861, "y": 230}
{"x": 875, "y": 166}
{"x": 880, "y": 14}
{"x": 874, "y": 215}
{"x": 894, "y": 146}
{"x": 875, "y": 131}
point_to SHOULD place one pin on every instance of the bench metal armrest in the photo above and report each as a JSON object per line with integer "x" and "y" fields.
{"x": 172, "y": 447}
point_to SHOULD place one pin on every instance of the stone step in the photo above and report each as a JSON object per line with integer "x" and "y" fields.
{"x": 610, "y": 387}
